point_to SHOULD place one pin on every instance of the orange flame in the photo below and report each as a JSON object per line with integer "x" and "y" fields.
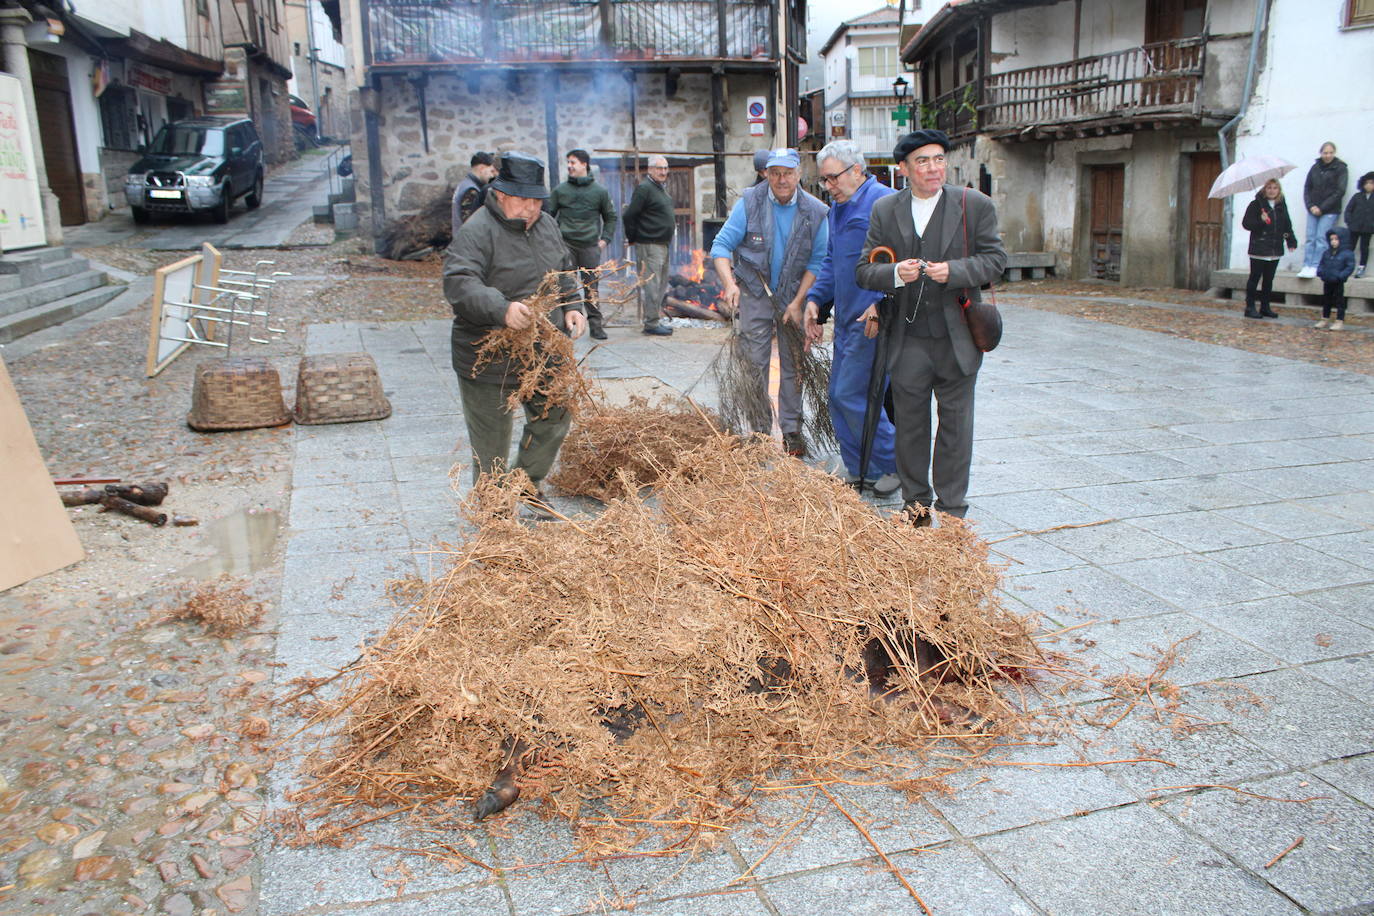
{"x": 697, "y": 271}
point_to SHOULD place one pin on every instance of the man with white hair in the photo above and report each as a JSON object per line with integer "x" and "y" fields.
{"x": 774, "y": 242}
{"x": 649, "y": 225}
{"x": 853, "y": 192}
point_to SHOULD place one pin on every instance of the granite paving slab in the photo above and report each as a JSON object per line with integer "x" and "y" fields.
{"x": 1333, "y": 868}
{"x": 1192, "y": 581}
{"x": 1296, "y": 630}
{"x": 1294, "y": 566}
{"x": 1128, "y": 860}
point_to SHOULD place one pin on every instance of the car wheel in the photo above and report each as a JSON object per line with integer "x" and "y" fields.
{"x": 254, "y": 197}
{"x": 221, "y": 211}
{"x": 140, "y": 214}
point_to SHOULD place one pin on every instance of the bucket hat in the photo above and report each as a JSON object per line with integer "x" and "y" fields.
{"x": 521, "y": 175}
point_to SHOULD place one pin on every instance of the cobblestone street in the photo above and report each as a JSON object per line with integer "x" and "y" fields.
{"x": 1221, "y": 467}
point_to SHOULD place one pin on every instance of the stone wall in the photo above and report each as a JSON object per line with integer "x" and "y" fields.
{"x": 507, "y": 112}
{"x": 114, "y": 164}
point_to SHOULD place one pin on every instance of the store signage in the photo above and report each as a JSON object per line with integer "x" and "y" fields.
{"x": 21, "y": 210}
{"x": 141, "y": 76}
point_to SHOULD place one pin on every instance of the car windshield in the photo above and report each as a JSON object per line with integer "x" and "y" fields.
{"x": 184, "y": 139}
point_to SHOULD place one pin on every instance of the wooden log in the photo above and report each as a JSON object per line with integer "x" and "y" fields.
{"x": 145, "y": 494}
{"x": 113, "y": 503}
{"x": 678, "y": 308}
{"x": 87, "y": 497}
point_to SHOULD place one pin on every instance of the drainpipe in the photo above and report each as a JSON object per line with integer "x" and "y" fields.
{"x": 1228, "y": 207}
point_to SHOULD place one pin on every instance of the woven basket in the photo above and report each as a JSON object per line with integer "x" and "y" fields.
{"x": 237, "y": 393}
{"x": 339, "y": 388}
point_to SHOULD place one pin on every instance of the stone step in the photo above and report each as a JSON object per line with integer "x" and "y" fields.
{"x": 43, "y": 316}
{"x": 42, "y": 293}
{"x": 9, "y": 263}
{"x": 1290, "y": 290}
{"x": 56, "y": 270}
{"x": 9, "y": 283}
{"x": 323, "y": 213}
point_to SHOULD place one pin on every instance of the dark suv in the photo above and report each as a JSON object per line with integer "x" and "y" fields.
{"x": 196, "y": 166}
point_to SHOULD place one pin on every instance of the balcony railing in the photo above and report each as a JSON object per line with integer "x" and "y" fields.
{"x": 1151, "y": 80}
{"x": 411, "y": 32}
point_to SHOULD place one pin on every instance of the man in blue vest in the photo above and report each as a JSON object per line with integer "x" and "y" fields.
{"x": 773, "y": 244}
{"x": 854, "y": 192}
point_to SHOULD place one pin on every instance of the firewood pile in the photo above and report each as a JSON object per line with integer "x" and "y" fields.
{"x": 644, "y": 672}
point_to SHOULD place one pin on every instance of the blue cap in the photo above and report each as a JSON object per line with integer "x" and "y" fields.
{"x": 787, "y": 158}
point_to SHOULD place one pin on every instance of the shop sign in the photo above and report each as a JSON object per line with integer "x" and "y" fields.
{"x": 141, "y": 76}
{"x": 226, "y": 98}
{"x": 21, "y": 210}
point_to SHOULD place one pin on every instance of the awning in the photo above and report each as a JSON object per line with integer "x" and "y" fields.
{"x": 162, "y": 53}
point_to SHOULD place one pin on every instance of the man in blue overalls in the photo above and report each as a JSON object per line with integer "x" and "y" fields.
{"x": 854, "y": 192}
{"x": 774, "y": 243}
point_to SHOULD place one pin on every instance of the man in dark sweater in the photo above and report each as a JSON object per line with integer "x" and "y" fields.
{"x": 586, "y": 217}
{"x": 491, "y": 268}
{"x": 649, "y": 227}
{"x": 471, "y": 191}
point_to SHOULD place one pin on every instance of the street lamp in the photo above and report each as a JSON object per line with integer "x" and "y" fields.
{"x": 900, "y": 114}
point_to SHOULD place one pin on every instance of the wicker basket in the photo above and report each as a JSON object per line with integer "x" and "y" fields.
{"x": 237, "y": 393}
{"x": 339, "y": 388}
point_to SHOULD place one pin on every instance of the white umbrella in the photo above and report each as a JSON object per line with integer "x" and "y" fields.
{"x": 1249, "y": 174}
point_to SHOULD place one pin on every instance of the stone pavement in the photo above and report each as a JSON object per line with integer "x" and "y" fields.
{"x": 289, "y": 196}
{"x": 1238, "y": 492}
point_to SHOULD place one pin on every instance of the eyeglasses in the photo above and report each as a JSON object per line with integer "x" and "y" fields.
{"x": 831, "y": 179}
{"x": 925, "y": 162}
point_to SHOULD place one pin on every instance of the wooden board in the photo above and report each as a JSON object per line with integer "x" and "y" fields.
{"x": 181, "y": 282}
{"x": 36, "y": 536}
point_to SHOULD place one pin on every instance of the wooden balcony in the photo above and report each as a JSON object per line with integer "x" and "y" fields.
{"x": 1149, "y": 83}
{"x": 416, "y": 33}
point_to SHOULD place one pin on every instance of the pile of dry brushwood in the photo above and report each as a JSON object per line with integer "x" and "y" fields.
{"x": 640, "y": 672}
{"x": 614, "y": 451}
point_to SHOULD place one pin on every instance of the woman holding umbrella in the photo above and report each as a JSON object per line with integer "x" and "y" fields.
{"x": 1270, "y": 229}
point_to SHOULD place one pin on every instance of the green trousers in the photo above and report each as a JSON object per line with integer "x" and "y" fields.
{"x": 490, "y": 422}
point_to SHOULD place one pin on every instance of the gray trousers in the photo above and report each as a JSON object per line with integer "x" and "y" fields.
{"x": 920, "y": 367}
{"x": 490, "y": 423}
{"x": 651, "y": 267}
{"x": 757, "y": 329}
{"x": 587, "y": 260}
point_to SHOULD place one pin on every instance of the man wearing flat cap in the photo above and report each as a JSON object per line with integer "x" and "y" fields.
{"x": 495, "y": 263}
{"x": 947, "y": 245}
{"x": 767, "y": 255}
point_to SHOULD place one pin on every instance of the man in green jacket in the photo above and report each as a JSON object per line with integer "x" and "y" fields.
{"x": 492, "y": 266}
{"x": 649, "y": 227}
{"x": 586, "y": 217}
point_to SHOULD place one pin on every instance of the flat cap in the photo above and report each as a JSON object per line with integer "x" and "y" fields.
{"x": 917, "y": 139}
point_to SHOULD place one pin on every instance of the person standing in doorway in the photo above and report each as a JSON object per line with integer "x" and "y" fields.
{"x": 1322, "y": 194}
{"x": 471, "y": 191}
{"x": 947, "y": 245}
{"x": 586, "y": 217}
{"x": 774, "y": 244}
{"x": 1270, "y": 230}
{"x": 649, "y": 223}
{"x": 853, "y": 193}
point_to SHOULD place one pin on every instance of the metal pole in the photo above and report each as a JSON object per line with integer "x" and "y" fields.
{"x": 314, "y": 67}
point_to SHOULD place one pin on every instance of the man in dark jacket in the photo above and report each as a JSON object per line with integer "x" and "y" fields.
{"x": 947, "y": 245}
{"x": 467, "y": 197}
{"x": 1322, "y": 194}
{"x": 586, "y": 217}
{"x": 1359, "y": 219}
{"x": 649, "y": 227}
{"x": 492, "y": 266}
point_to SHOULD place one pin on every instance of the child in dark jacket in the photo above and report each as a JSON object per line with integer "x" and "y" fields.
{"x": 1337, "y": 264}
{"x": 1359, "y": 219}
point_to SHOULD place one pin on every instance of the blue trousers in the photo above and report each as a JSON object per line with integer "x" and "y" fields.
{"x": 1317, "y": 228}
{"x": 850, "y": 368}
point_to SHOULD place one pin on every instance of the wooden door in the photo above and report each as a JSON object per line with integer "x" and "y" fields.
{"x": 1108, "y": 194}
{"x": 53, "y": 101}
{"x": 621, "y": 182}
{"x": 1169, "y": 20}
{"x": 1204, "y": 222}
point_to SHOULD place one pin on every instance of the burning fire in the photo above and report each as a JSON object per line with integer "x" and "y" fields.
{"x": 696, "y": 271}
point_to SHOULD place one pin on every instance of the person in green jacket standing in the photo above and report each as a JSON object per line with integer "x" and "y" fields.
{"x": 649, "y": 225}
{"x": 587, "y": 219}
